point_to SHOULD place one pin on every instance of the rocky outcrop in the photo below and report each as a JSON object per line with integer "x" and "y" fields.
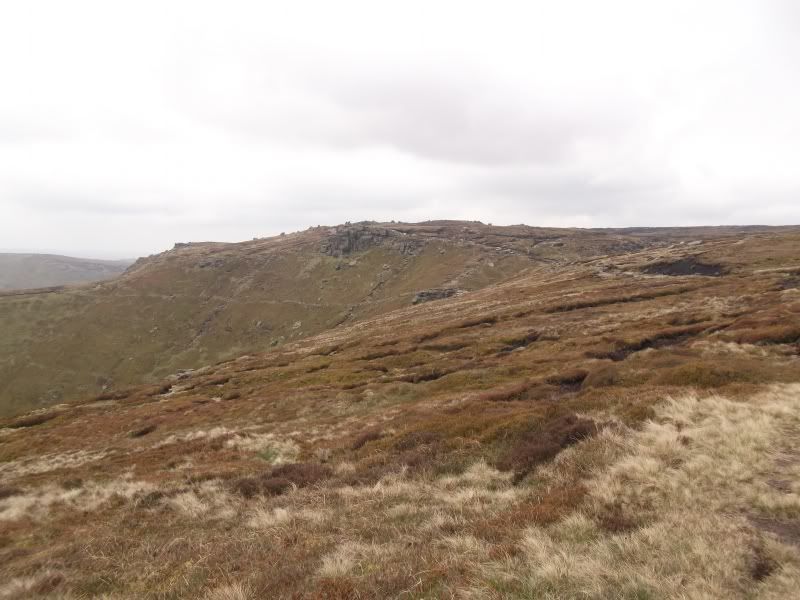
{"x": 348, "y": 239}
{"x": 433, "y": 294}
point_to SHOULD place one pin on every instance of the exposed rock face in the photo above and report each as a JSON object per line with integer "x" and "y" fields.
{"x": 434, "y": 294}
{"x": 684, "y": 266}
{"x": 348, "y": 239}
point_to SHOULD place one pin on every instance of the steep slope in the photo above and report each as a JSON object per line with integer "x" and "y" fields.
{"x": 201, "y": 303}
{"x": 26, "y": 271}
{"x": 516, "y": 441}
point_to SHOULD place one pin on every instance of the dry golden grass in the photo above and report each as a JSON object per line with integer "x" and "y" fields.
{"x": 684, "y": 496}
{"x": 230, "y": 591}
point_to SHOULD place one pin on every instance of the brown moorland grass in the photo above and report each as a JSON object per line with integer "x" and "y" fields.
{"x": 775, "y": 334}
{"x": 583, "y": 477}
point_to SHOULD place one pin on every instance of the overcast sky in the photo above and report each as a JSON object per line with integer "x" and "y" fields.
{"x": 128, "y": 126}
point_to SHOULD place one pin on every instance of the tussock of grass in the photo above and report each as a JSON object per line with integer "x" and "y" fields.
{"x": 776, "y": 334}
{"x": 446, "y": 346}
{"x": 366, "y": 437}
{"x": 602, "y": 376}
{"x": 707, "y": 374}
{"x": 658, "y": 339}
{"x": 142, "y": 431}
{"x": 50, "y": 462}
{"x": 39, "y": 502}
{"x": 6, "y": 491}
{"x": 209, "y": 500}
{"x": 517, "y": 391}
{"x": 198, "y": 434}
{"x": 519, "y": 341}
{"x": 268, "y": 446}
{"x": 248, "y": 487}
{"x": 475, "y": 322}
{"x": 32, "y": 420}
{"x": 42, "y": 584}
{"x": 114, "y": 395}
{"x": 231, "y": 591}
{"x": 606, "y": 301}
{"x": 485, "y": 321}
{"x": 384, "y": 353}
{"x": 425, "y": 375}
{"x": 414, "y": 439}
{"x": 570, "y": 378}
{"x": 355, "y": 555}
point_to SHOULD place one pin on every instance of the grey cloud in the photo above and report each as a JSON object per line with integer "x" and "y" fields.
{"x": 571, "y": 192}
{"x": 14, "y": 133}
{"x": 474, "y": 121}
{"x": 442, "y": 112}
{"x": 95, "y": 201}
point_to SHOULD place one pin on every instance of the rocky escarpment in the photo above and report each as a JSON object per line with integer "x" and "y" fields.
{"x": 348, "y": 239}
{"x": 434, "y": 294}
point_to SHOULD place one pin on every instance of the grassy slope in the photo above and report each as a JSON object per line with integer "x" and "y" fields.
{"x": 196, "y": 305}
{"x": 515, "y": 442}
{"x": 26, "y": 271}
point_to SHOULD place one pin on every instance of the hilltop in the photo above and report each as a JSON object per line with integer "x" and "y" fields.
{"x": 590, "y": 414}
{"x": 28, "y": 271}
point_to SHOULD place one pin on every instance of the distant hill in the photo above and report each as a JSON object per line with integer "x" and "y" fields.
{"x": 27, "y": 271}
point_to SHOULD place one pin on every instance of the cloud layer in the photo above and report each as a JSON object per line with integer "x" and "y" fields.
{"x": 125, "y": 128}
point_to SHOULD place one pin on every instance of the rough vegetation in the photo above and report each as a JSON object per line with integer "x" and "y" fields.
{"x": 641, "y": 443}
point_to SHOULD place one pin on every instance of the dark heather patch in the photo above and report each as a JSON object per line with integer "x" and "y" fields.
{"x": 6, "y": 491}
{"x": 661, "y": 339}
{"x": 32, "y": 420}
{"x": 569, "y": 380}
{"x": 366, "y": 437}
{"x": 280, "y": 479}
{"x": 786, "y": 530}
{"x": 543, "y": 444}
{"x": 142, "y": 431}
{"x": 760, "y": 564}
{"x": 520, "y": 342}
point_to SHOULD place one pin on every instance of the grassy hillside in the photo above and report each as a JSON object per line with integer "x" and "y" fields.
{"x": 202, "y": 303}
{"x": 612, "y": 425}
{"x": 27, "y": 271}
